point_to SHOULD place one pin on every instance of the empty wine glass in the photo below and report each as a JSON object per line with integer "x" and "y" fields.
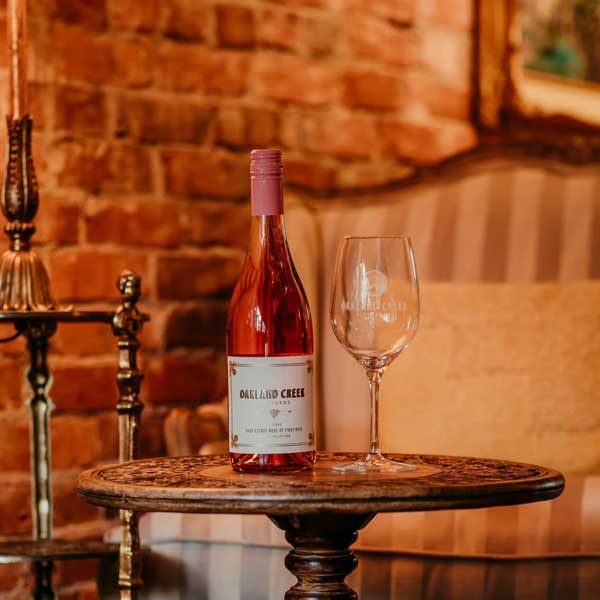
{"x": 374, "y": 313}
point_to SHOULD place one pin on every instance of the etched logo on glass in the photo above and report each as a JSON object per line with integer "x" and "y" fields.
{"x": 372, "y": 299}
{"x": 375, "y": 283}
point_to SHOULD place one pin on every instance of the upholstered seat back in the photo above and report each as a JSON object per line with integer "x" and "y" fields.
{"x": 506, "y": 361}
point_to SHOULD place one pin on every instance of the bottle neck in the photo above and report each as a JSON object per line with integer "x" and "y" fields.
{"x": 267, "y": 230}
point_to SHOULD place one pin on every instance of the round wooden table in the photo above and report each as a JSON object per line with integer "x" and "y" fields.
{"x": 320, "y": 511}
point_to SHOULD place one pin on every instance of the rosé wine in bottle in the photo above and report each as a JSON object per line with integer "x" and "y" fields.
{"x": 269, "y": 341}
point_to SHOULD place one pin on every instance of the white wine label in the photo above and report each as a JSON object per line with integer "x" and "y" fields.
{"x": 270, "y": 404}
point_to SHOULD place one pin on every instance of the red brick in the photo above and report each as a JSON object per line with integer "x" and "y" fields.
{"x": 84, "y": 387}
{"x": 39, "y": 96}
{"x": 354, "y": 175}
{"x": 41, "y": 156}
{"x": 379, "y": 40}
{"x": 133, "y": 15}
{"x": 447, "y": 53}
{"x": 198, "y": 326}
{"x": 427, "y": 140}
{"x": 314, "y": 3}
{"x": 90, "y": 274}
{"x": 320, "y": 36}
{"x": 399, "y": 11}
{"x": 220, "y": 222}
{"x": 348, "y": 136}
{"x": 311, "y": 173}
{"x": 180, "y": 379}
{"x": 445, "y": 99}
{"x": 15, "y": 514}
{"x": 80, "y": 110}
{"x": 247, "y": 127}
{"x": 75, "y": 441}
{"x": 80, "y": 441}
{"x": 86, "y": 587}
{"x": 57, "y": 220}
{"x": 70, "y": 575}
{"x": 14, "y": 443}
{"x": 194, "y": 277}
{"x": 188, "y": 68}
{"x": 221, "y": 377}
{"x": 3, "y": 43}
{"x": 16, "y": 348}
{"x": 370, "y": 89}
{"x": 90, "y": 14}
{"x": 151, "y": 432}
{"x": 16, "y": 577}
{"x": 278, "y": 27}
{"x": 191, "y": 173}
{"x": 108, "y": 436}
{"x": 185, "y": 19}
{"x": 11, "y": 383}
{"x": 152, "y": 336}
{"x": 84, "y": 339}
{"x": 134, "y": 61}
{"x": 294, "y": 79}
{"x": 80, "y": 55}
{"x": 291, "y": 134}
{"x": 68, "y": 507}
{"x": 101, "y": 166}
{"x": 456, "y": 13}
{"x": 83, "y": 56}
{"x": 235, "y": 26}
{"x": 163, "y": 121}
{"x": 133, "y": 223}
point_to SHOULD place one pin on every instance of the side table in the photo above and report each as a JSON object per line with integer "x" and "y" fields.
{"x": 320, "y": 511}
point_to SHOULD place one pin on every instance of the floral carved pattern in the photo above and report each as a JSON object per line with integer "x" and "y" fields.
{"x": 189, "y": 472}
{"x": 208, "y": 484}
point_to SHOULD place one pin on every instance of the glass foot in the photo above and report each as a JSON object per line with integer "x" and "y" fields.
{"x": 375, "y": 463}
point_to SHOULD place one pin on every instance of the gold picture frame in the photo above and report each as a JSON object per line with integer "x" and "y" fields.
{"x": 543, "y": 114}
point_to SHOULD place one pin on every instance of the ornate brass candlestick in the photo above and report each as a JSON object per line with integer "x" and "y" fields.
{"x": 24, "y": 283}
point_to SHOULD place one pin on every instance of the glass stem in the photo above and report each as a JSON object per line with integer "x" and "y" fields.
{"x": 374, "y": 376}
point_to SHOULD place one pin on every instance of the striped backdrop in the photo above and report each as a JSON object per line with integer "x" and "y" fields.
{"x": 548, "y": 550}
{"x": 202, "y": 571}
{"x": 510, "y": 223}
{"x": 506, "y": 223}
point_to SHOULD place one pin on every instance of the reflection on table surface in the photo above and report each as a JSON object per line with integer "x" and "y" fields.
{"x": 220, "y": 571}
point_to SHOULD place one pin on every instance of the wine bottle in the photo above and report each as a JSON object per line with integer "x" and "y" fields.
{"x": 269, "y": 341}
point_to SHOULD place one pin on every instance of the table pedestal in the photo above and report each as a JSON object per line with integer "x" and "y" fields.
{"x": 321, "y": 558}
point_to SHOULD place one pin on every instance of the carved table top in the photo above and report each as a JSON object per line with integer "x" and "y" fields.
{"x": 207, "y": 484}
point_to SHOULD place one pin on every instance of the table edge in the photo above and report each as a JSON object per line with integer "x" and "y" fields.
{"x": 270, "y": 507}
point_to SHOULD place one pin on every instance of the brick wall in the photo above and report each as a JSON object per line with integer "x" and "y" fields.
{"x": 144, "y": 114}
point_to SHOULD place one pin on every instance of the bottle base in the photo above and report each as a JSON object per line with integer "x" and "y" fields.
{"x": 273, "y": 464}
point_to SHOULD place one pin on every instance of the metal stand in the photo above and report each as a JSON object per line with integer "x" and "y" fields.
{"x": 38, "y": 334}
{"x": 26, "y": 301}
{"x": 38, "y": 327}
{"x": 127, "y": 323}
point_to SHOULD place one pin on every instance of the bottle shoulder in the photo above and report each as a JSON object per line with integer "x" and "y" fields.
{"x": 269, "y": 314}
{"x": 274, "y": 280}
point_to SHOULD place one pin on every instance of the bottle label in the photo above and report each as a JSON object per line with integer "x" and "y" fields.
{"x": 270, "y": 404}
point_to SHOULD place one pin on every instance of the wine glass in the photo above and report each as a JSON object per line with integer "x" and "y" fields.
{"x": 374, "y": 313}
